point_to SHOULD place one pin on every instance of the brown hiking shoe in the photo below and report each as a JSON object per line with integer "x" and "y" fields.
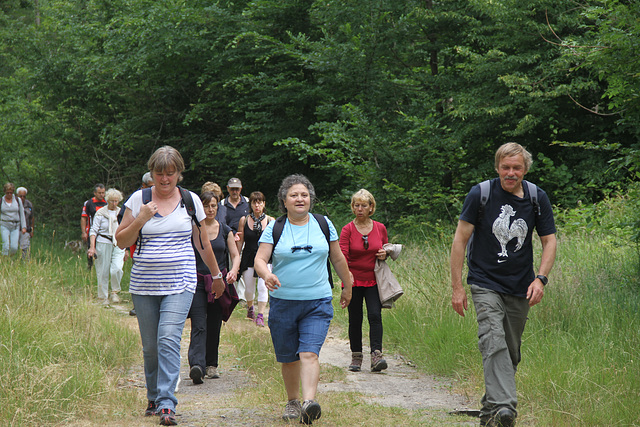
{"x": 356, "y": 361}
{"x": 377, "y": 361}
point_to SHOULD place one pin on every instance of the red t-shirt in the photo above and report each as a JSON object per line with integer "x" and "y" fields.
{"x": 362, "y": 261}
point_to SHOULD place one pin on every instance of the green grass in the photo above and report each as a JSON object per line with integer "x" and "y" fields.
{"x": 60, "y": 355}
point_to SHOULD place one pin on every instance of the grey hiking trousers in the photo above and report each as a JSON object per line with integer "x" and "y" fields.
{"x": 501, "y": 320}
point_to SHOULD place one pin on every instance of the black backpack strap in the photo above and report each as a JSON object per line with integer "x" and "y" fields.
{"x": 324, "y": 226}
{"x": 146, "y": 198}
{"x": 187, "y": 202}
{"x": 277, "y": 229}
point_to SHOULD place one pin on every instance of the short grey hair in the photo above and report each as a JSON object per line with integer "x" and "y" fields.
{"x": 21, "y": 189}
{"x": 146, "y": 178}
{"x": 113, "y": 194}
{"x": 289, "y": 182}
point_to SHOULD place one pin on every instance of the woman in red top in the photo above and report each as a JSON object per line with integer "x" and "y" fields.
{"x": 361, "y": 243}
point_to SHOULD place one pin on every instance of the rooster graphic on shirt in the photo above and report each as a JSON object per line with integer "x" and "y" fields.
{"x": 505, "y": 231}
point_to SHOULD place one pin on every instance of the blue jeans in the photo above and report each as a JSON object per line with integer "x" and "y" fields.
{"x": 161, "y": 320}
{"x": 10, "y": 240}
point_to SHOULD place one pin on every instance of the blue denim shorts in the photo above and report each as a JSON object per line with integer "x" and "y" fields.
{"x": 298, "y": 326}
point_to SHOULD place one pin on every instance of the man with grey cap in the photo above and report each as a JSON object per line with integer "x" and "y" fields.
{"x": 25, "y": 238}
{"x": 236, "y": 204}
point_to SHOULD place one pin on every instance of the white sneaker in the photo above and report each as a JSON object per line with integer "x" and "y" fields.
{"x": 114, "y": 297}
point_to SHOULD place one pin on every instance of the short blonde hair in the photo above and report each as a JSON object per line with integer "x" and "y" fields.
{"x": 113, "y": 194}
{"x": 513, "y": 149}
{"x": 213, "y": 188}
{"x": 363, "y": 195}
{"x": 166, "y": 158}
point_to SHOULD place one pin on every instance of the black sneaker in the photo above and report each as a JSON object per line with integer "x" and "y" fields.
{"x": 196, "y": 374}
{"x": 310, "y": 411}
{"x": 152, "y": 409}
{"x": 168, "y": 417}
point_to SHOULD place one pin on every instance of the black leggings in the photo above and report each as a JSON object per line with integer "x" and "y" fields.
{"x": 356, "y": 315}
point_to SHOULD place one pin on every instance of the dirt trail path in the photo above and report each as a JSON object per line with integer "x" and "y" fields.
{"x": 401, "y": 385}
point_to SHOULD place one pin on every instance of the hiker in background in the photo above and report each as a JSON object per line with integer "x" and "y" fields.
{"x": 206, "y": 312}
{"x": 221, "y": 216}
{"x": 163, "y": 277}
{"x": 503, "y": 282}
{"x": 300, "y": 304}
{"x": 236, "y": 206}
{"x": 89, "y": 209}
{"x": 12, "y": 220}
{"x": 25, "y": 238}
{"x": 102, "y": 243}
{"x": 361, "y": 243}
{"x": 251, "y": 227}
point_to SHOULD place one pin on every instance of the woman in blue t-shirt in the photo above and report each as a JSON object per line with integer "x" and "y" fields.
{"x": 300, "y": 293}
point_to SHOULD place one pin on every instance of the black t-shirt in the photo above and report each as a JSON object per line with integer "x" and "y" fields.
{"x": 502, "y": 252}
{"x": 219, "y": 246}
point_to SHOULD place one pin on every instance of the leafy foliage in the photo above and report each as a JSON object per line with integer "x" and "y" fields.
{"x": 409, "y": 99}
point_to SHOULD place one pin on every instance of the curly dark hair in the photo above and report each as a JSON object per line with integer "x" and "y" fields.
{"x": 289, "y": 182}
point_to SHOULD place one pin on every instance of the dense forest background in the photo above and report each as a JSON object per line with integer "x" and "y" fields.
{"x": 409, "y": 99}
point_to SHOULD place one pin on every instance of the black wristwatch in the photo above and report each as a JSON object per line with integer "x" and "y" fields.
{"x": 543, "y": 279}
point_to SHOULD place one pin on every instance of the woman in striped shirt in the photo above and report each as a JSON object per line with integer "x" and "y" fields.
{"x": 163, "y": 277}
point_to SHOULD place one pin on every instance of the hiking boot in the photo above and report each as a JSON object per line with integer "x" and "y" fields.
{"x": 377, "y": 361}
{"x": 250, "y": 313}
{"x": 310, "y": 411}
{"x": 260, "y": 320}
{"x": 115, "y": 298}
{"x": 152, "y": 409}
{"x": 168, "y": 417}
{"x": 356, "y": 361}
{"x": 212, "y": 372}
{"x": 292, "y": 410}
{"x": 504, "y": 417}
{"x": 196, "y": 374}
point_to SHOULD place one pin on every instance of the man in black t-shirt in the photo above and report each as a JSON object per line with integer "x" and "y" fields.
{"x": 501, "y": 276}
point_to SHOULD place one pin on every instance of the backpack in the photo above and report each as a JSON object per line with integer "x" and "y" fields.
{"x": 485, "y": 192}
{"x": 324, "y": 226}
{"x": 185, "y": 200}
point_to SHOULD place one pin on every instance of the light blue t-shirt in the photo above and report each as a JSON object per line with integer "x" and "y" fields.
{"x": 302, "y": 275}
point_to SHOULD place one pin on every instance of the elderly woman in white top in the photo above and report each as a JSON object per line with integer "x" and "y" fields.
{"x": 103, "y": 245}
{"x": 12, "y": 221}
